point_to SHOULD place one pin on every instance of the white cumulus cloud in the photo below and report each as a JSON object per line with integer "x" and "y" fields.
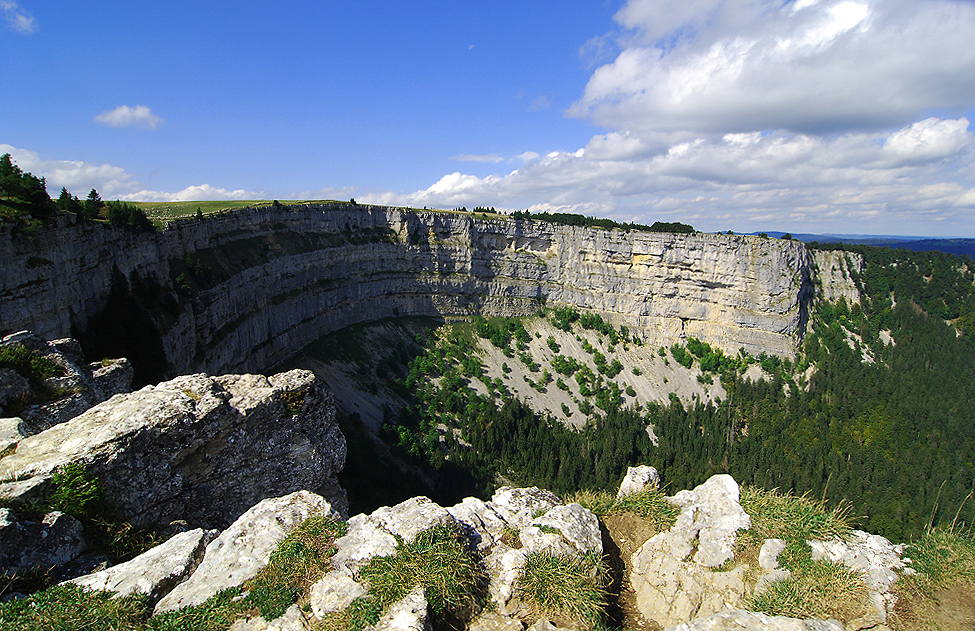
{"x": 470, "y": 157}
{"x": 77, "y": 176}
{"x": 713, "y": 66}
{"x": 202, "y": 192}
{"x": 125, "y": 116}
{"x": 17, "y": 19}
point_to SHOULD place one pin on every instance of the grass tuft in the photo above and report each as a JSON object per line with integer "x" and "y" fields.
{"x": 300, "y": 560}
{"x": 651, "y": 505}
{"x": 943, "y": 561}
{"x": 778, "y": 515}
{"x": 816, "y": 589}
{"x": 58, "y": 608}
{"x": 820, "y": 590}
{"x": 361, "y": 613}
{"x": 438, "y": 560}
{"x": 565, "y": 588}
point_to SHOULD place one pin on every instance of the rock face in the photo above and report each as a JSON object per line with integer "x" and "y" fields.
{"x": 156, "y": 572}
{"x": 196, "y": 448}
{"x": 27, "y": 545}
{"x": 79, "y": 387}
{"x": 246, "y": 289}
{"x": 672, "y": 574}
{"x": 834, "y": 274}
{"x": 244, "y": 549}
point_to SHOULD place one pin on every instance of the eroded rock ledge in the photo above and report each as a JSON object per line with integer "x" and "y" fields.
{"x": 502, "y": 533}
{"x": 198, "y": 449}
{"x": 244, "y": 290}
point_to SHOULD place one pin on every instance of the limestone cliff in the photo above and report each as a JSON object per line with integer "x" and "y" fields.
{"x": 243, "y": 290}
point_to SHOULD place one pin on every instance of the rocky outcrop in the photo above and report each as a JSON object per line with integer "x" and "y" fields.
{"x": 196, "y": 448}
{"x": 246, "y": 289}
{"x": 56, "y": 399}
{"x": 835, "y": 274}
{"x": 694, "y": 589}
{"x": 156, "y": 572}
{"x": 672, "y": 572}
{"x": 244, "y": 549}
{"x": 873, "y": 556}
{"x": 39, "y": 546}
{"x": 504, "y": 531}
{"x": 638, "y": 479}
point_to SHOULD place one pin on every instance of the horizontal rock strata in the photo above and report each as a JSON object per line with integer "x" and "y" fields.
{"x": 243, "y": 290}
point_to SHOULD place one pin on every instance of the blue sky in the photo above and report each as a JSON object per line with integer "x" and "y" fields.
{"x": 807, "y": 116}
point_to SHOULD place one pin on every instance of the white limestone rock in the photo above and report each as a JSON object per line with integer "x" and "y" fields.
{"x": 712, "y": 514}
{"x": 518, "y": 506}
{"x": 12, "y": 431}
{"x": 155, "y": 572}
{"x": 364, "y": 539}
{"x": 195, "y": 448}
{"x": 408, "y": 614}
{"x": 291, "y": 620}
{"x": 639, "y": 478}
{"x": 741, "y": 620}
{"x": 408, "y": 519}
{"x": 504, "y": 566}
{"x": 334, "y": 592}
{"x": 484, "y": 524}
{"x": 578, "y": 526}
{"x": 874, "y": 557}
{"x": 768, "y": 562}
{"x": 244, "y": 549}
{"x": 671, "y": 587}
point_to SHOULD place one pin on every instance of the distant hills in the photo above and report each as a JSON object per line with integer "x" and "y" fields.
{"x": 918, "y": 244}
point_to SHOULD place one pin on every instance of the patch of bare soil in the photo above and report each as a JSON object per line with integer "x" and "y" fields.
{"x": 624, "y": 534}
{"x": 951, "y": 609}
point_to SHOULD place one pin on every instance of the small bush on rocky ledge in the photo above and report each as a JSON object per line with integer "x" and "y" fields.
{"x": 565, "y": 588}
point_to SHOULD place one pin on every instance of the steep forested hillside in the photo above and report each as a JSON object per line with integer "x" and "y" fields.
{"x": 877, "y": 410}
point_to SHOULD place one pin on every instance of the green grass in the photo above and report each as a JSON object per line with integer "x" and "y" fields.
{"x": 70, "y": 608}
{"x": 651, "y": 505}
{"x": 564, "y": 588}
{"x": 437, "y": 559}
{"x": 817, "y": 588}
{"x": 943, "y": 560}
{"x": 163, "y": 212}
{"x": 778, "y": 515}
{"x": 301, "y": 559}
